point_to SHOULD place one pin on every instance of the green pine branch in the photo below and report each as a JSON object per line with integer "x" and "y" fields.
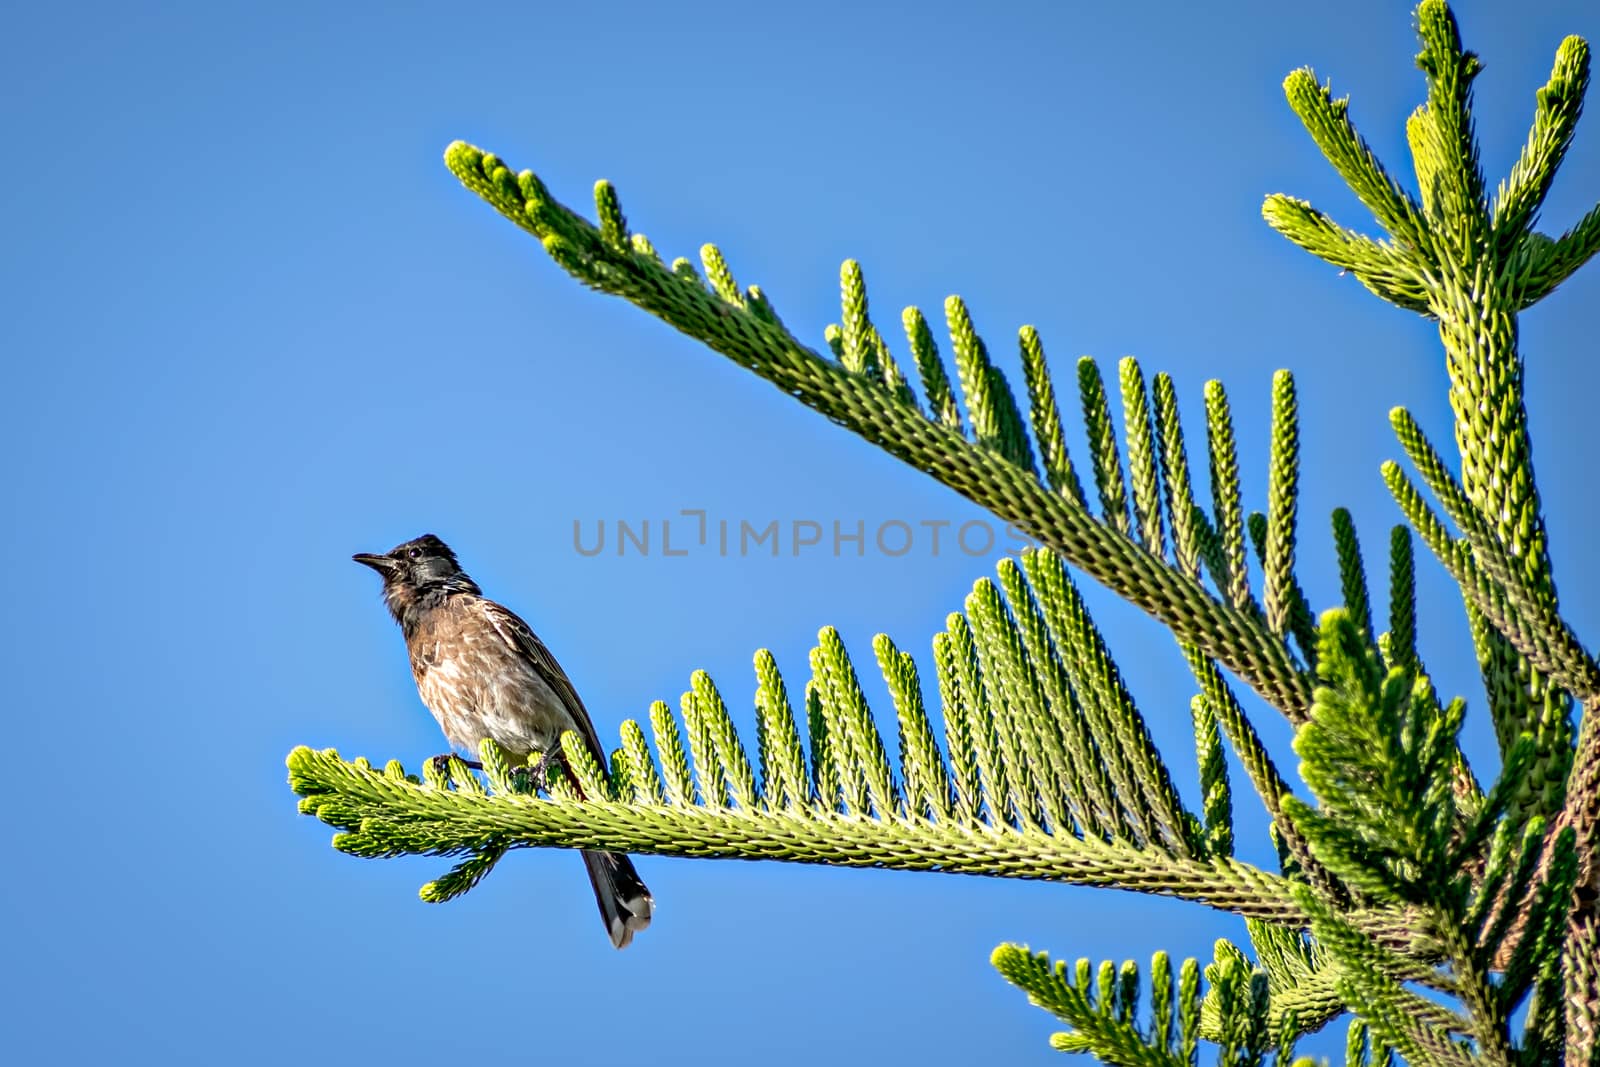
{"x": 995, "y": 466}
{"x": 1048, "y": 772}
{"x": 1101, "y": 1005}
{"x": 383, "y": 814}
{"x": 1481, "y": 264}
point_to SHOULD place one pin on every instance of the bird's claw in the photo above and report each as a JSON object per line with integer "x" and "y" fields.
{"x": 441, "y": 763}
{"x": 537, "y": 777}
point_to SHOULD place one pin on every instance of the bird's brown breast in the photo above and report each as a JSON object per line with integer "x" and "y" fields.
{"x": 477, "y": 685}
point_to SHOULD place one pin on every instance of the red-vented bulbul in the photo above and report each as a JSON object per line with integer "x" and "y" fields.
{"x": 483, "y": 672}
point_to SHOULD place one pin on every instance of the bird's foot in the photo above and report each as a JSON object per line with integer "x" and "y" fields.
{"x": 441, "y": 763}
{"x": 540, "y": 774}
{"x": 537, "y": 777}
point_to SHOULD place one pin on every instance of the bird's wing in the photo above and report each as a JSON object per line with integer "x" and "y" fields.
{"x": 521, "y": 638}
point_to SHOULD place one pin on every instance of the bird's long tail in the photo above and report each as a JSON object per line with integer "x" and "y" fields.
{"x": 625, "y": 902}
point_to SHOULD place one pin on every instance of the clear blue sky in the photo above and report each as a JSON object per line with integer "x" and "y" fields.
{"x": 253, "y": 325}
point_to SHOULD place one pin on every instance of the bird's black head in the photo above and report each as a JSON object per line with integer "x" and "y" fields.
{"x": 417, "y": 575}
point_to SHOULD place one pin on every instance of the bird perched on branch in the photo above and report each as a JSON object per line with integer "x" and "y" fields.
{"x": 483, "y": 672}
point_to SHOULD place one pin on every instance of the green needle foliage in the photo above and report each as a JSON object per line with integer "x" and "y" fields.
{"x": 1452, "y": 919}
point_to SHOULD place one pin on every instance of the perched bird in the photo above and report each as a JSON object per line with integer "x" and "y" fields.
{"x": 484, "y": 673}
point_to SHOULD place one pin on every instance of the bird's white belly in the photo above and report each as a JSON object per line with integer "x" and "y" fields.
{"x": 512, "y": 705}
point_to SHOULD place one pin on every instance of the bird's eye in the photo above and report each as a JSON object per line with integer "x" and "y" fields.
{"x": 415, "y": 553}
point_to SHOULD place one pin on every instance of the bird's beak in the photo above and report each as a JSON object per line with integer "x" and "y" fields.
{"x": 382, "y": 564}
